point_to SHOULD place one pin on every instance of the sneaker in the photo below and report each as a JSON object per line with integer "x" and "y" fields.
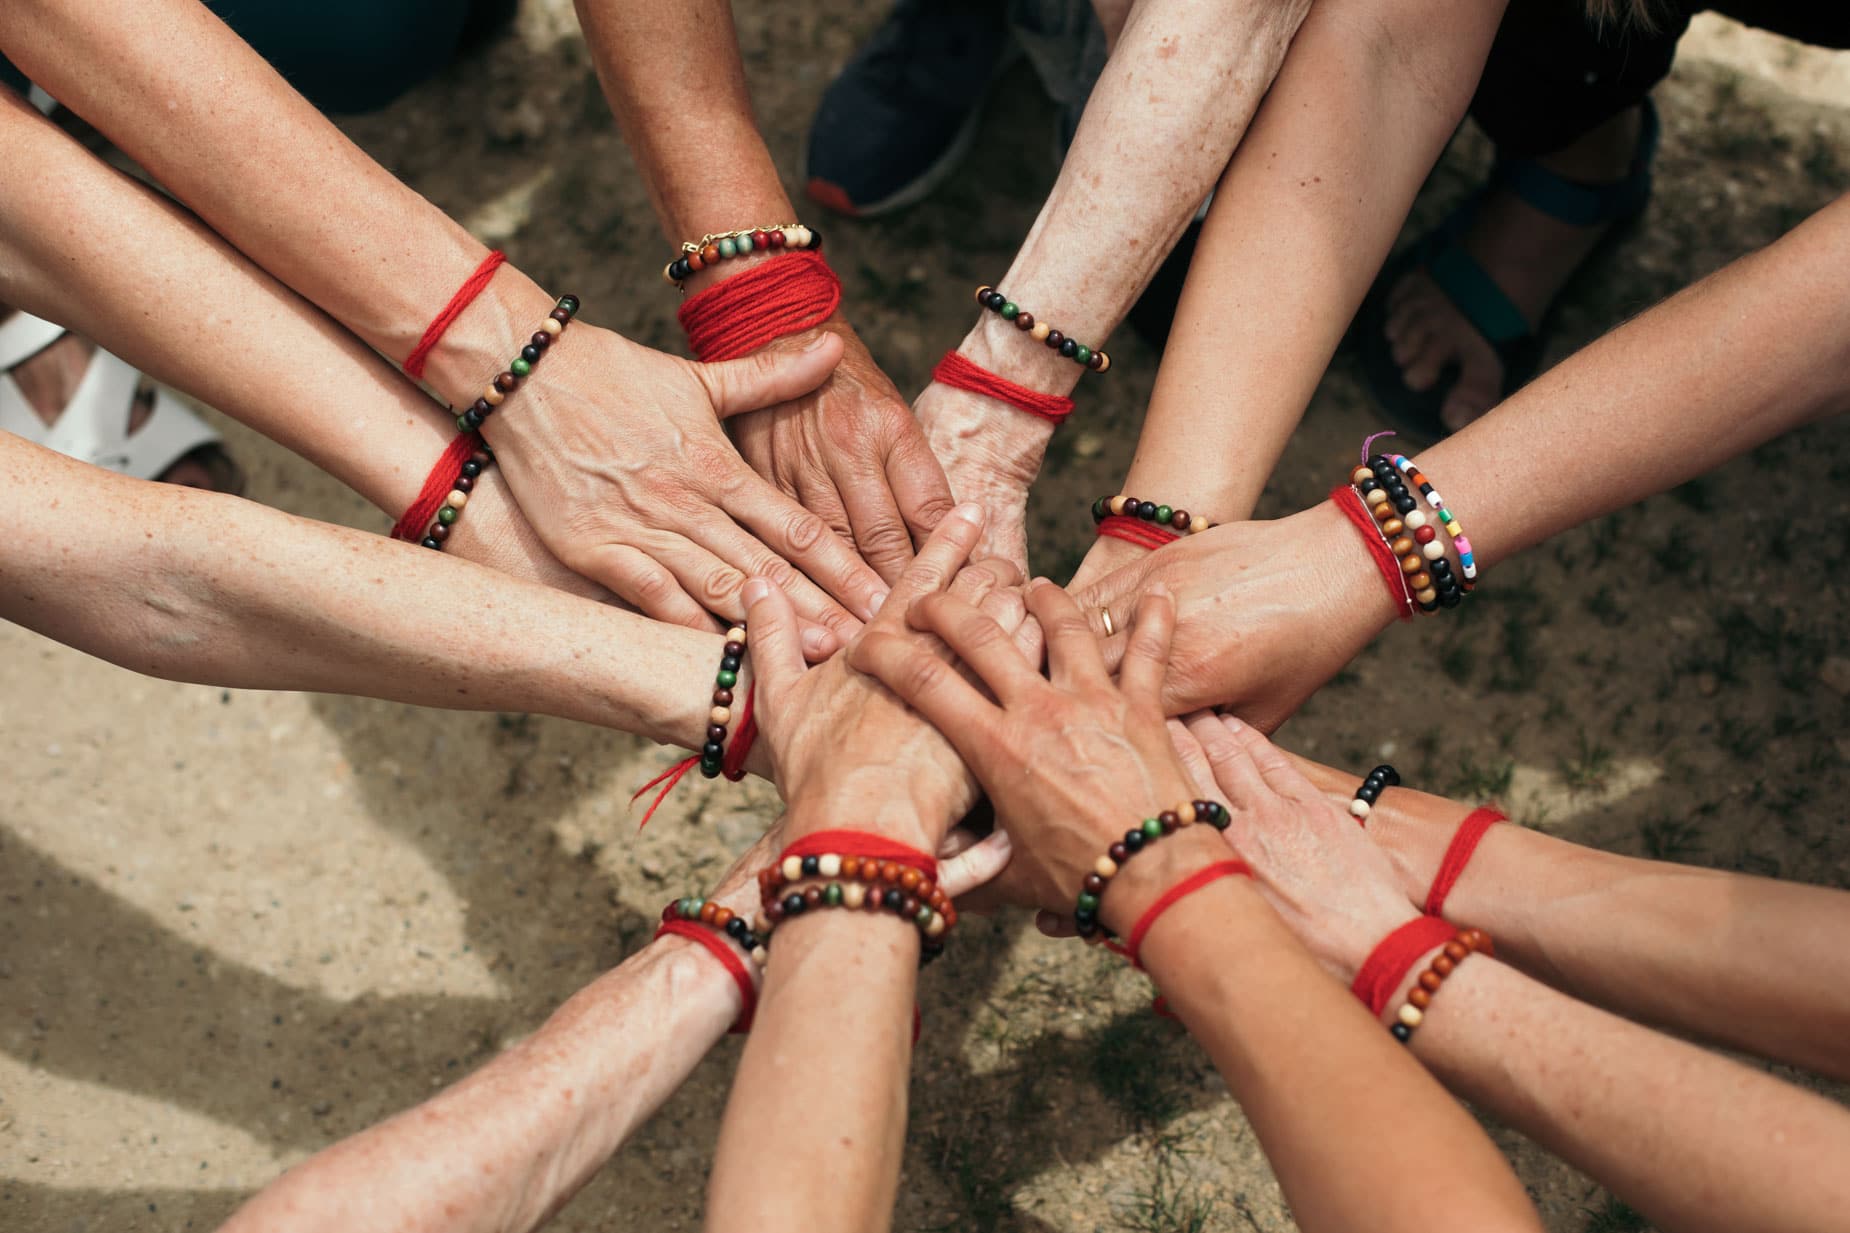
{"x": 904, "y": 111}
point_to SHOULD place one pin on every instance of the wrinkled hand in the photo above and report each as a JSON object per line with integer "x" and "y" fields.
{"x": 991, "y": 454}
{"x": 616, "y": 455}
{"x": 1266, "y": 611}
{"x": 1332, "y": 885}
{"x": 845, "y": 751}
{"x": 851, "y": 453}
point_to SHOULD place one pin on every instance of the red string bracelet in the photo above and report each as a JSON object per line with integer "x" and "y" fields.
{"x": 1350, "y": 503}
{"x": 767, "y": 302}
{"x": 437, "y": 485}
{"x": 1168, "y": 899}
{"x": 863, "y": 845}
{"x": 748, "y": 991}
{"x": 963, "y": 374}
{"x": 1394, "y": 956}
{"x": 1458, "y": 854}
{"x": 465, "y": 295}
{"x": 734, "y": 765}
{"x": 1136, "y": 531}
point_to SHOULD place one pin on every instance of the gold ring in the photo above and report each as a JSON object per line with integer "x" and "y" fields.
{"x": 1110, "y": 629}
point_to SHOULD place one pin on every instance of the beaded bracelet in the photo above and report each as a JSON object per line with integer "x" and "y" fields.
{"x": 452, "y": 507}
{"x": 1412, "y": 1012}
{"x": 861, "y": 879}
{"x": 1148, "y": 511}
{"x": 1040, "y": 331}
{"x": 1453, "y": 528}
{"x": 1409, "y": 535}
{"x": 1092, "y": 888}
{"x": 703, "y": 921}
{"x": 867, "y": 895}
{"x": 711, "y": 249}
{"x": 713, "y": 753}
{"x": 506, "y": 382}
{"x": 1383, "y": 776}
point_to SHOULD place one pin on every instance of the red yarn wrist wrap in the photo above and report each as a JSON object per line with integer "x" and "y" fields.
{"x": 465, "y": 294}
{"x": 1350, "y": 503}
{"x": 1394, "y": 956}
{"x": 1458, "y": 854}
{"x": 748, "y": 989}
{"x": 963, "y": 374}
{"x": 437, "y": 486}
{"x": 1133, "y": 945}
{"x": 1136, "y": 531}
{"x": 864, "y": 845}
{"x": 732, "y": 765}
{"x": 785, "y": 295}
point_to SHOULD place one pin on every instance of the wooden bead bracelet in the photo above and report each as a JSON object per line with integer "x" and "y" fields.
{"x": 1122, "y": 506}
{"x": 509, "y": 380}
{"x": 861, "y": 877}
{"x": 697, "y": 255}
{"x": 1454, "y": 530}
{"x": 732, "y": 658}
{"x": 1092, "y": 888}
{"x": 1426, "y": 573}
{"x": 1040, "y": 331}
{"x": 439, "y": 529}
{"x": 1412, "y": 1012}
{"x": 699, "y": 911}
{"x": 1382, "y": 777}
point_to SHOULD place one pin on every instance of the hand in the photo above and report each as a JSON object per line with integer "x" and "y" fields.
{"x": 852, "y": 454}
{"x": 1070, "y": 761}
{"x": 991, "y": 454}
{"x": 615, "y": 453}
{"x": 1266, "y": 612}
{"x": 845, "y": 751}
{"x": 1334, "y": 888}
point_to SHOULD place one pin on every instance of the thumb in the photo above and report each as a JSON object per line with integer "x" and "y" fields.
{"x": 973, "y": 866}
{"x": 1108, "y": 605}
{"x": 776, "y": 645}
{"x": 766, "y": 378}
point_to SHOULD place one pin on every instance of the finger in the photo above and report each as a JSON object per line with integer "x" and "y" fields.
{"x": 641, "y": 581}
{"x": 1005, "y": 607}
{"x": 880, "y": 531}
{"x": 1053, "y": 925}
{"x": 804, "y": 540}
{"x": 1108, "y": 605}
{"x": 716, "y": 586}
{"x": 1234, "y": 770}
{"x": 1073, "y": 657}
{"x": 1194, "y": 757}
{"x": 722, "y": 537}
{"x": 1146, "y": 657}
{"x": 975, "y": 865}
{"x": 938, "y": 561}
{"x": 907, "y": 665}
{"x": 980, "y": 643}
{"x": 776, "y": 645}
{"x": 766, "y": 378}
{"x": 919, "y": 484}
{"x": 1272, "y": 765}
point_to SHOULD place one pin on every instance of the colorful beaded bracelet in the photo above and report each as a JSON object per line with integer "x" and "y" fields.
{"x": 1092, "y": 888}
{"x": 1453, "y": 528}
{"x": 1412, "y": 1012}
{"x": 1040, "y": 331}
{"x": 439, "y": 529}
{"x": 860, "y": 873}
{"x": 1409, "y": 535}
{"x": 697, "y": 255}
{"x": 1382, "y": 777}
{"x": 508, "y": 381}
{"x": 699, "y": 911}
{"x": 732, "y": 658}
{"x": 1148, "y": 511}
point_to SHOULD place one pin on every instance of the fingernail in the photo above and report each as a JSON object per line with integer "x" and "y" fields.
{"x": 874, "y": 604}
{"x": 817, "y": 343}
{"x": 1233, "y": 723}
{"x": 818, "y": 642}
{"x": 756, "y": 591}
{"x": 970, "y": 512}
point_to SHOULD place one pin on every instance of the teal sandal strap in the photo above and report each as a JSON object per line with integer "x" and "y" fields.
{"x": 1477, "y": 295}
{"x": 1586, "y": 205}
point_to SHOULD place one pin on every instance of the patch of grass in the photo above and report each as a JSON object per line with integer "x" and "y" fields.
{"x": 1480, "y": 783}
{"x": 1615, "y": 1217}
{"x": 1520, "y": 667}
{"x": 1170, "y": 1204}
{"x": 1670, "y": 839}
{"x": 1589, "y": 768}
{"x": 982, "y": 1180}
{"x": 1120, "y": 1066}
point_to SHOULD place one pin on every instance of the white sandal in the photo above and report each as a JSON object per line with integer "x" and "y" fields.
{"x": 94, "y": 425}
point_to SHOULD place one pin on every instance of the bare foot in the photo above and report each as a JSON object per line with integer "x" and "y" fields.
{"x": 49, "y": 380}
{"x": 1527, "y": 253}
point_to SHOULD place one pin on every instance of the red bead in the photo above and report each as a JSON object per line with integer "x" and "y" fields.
{"x": 505, "y": 382}
{"x": 542, "y": 340}
{"x": 760, "y": 241}
{"x": 668, "y": 913}
{"x": 438, "y": 532}
{"x": 889, "y": 871}
{"x": 464, "y": 484}
{"x": 1179, "y": 520}
{"x": 812, "y": 896}
{"x": 722, "y": 697}
{"x": 1024, "y": 321}
{"x": 909, "y": 879}
{"x": 707, "y": 911}
{"x": 1425, "y": 535}
{"x": 774, "y": 911}
{"x": 710, "y": 254}
{"x": 733, "y": 650}
{"x": 481, "y": 458}
{"x": 1054, "y": 340}
{"x": 851, "y": 867}
{"x": 776, "y": 239}
{"x": 695, "y": 263}
{"x": 908, "y": 907}
{"x": 1093, "y": 884}
{"x": 716, "y": 732}
{"x": 1118, "y": 853}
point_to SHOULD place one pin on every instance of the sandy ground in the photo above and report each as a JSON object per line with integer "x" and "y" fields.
{"x": 238, "y": 926}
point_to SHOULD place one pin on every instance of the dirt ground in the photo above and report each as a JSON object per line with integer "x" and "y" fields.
{"x": 238, "y": 926}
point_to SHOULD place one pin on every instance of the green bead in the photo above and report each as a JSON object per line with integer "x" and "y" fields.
{"x": 831, "y": 894}
{"x": 1164, "y": 513}
{"x": 694, "y": 904}
{"x": 1445, "y": 516}
{"x": 728, "y": 249}
{"x": 1009, "y": 310}
{"x": 923, "y": 915}
{"x": 520, "y": 367}
{"x": 1083, "y": 354}
{"x": 727, "y": 679}
{"x": 462, "y": 424}
{"x": 568, "y": 302}
{"x": 1153, "y": 828}
{"x": 1088, "y": 902}
{"x": 447, "y": 515}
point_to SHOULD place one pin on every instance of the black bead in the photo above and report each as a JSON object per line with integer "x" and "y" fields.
{"x": 1099, "y": 510}
{"x": 428, "y": 542}
{"x": 815, "y": 239}
{"x": 750, "y": 940}
{"x": 1451, "y": 599}
{"x": 1440, "y": 568}
{"x": 679, "y": 271}
{"x": 1133, "y": 840}
{"x": 712, "y": 749}
{"x": 1069, "y": 348}
{"x": 811, "y": 866}
{"x": 733, "y": 649}
{"x": 736, "y": 928}
{"x": 530, "y": 353}
{"x": 1146, "y": 510}
{"x": 472, "y": 469}
{"x": 892, "y": 899}
{"x": 483, "y": 408}
{"x": 1367, "y": 792}
{"x": 471, "y": 420}
{"x": 729, "y": 664}
{"x": 709, "y": 768}
{"x": 1402, "y": 1032}
{"x": 1368, "y": 486}
{"x": 1055, "y": 340}
{"x": 794, "y": 905}
{"x": 993, "y": 300}
{"x": 1426, "y": 491}
{"x": 1406, "y": 505}
{"x": 716, "y": 732}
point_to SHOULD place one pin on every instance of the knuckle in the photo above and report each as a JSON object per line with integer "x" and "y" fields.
{"x": 803, "y": 531}
{"x": 884, "y": 537}
{"x": 652, "y": 585}
{"x": 930, "y": 511}
{"x": 720, "y": 583}
{"x": 921, "y": 674}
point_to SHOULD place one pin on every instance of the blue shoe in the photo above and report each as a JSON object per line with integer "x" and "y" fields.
{"x": 904, "y": 111}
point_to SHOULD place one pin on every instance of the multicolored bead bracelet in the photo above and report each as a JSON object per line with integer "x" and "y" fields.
{"x": 1041, "y": 332}
{"x": 1379, "y": 779}
{"x": 703, "y": 922}
{"x": 447, "y": 513}
{"x": 1092, "y": 888}
{"x": 861, "y": 878}
{"x": 1409, "y": 535}
{"x": 1454, "y": 530}
{"x": 697, "y": 255}
{"x": 732, "y": 659}
{"x": 1121, "y": 506}
{"x": 1412, "y": 1012}
{"x": 509, "y": 380}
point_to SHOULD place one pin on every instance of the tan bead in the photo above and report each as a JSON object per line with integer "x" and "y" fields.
{"x": 1379, "y": 497}
{"x": 1403, "y": 545}
{"x": 1421, "y": 581}
{"x": 803, "y": 236}
{"x": 760, "y": 956}
{"x": 935, "y": 929}
{"x": 493, "y": 397}
{"x": 1040, "y": 331}
{"x": 790, "y": 238}
{"x": 1197, "y": 525}
{"x": 1416, "y": 519}
{"x": 853, "y": 894}
{"x": 829, "y": 866}
{"x": 761, "y": 923}
{"x": 719, "y": 715}
{"x": 1393, "y": 526}
{"x": 1427, "y": 596}
{"x": 457, "y": 499}
{"x": 1185, "y": 813}
{"x": 1104, "y": 362}
{"x": 1360, "y": 474}
{"x": 1105, "y": 867}
{"x": 666, "y": 276}
{"x": 1358, "y": 809}
{"x": 1432, "y": 550}
{"x": 735, "y": 634}
{"x": 792, "y": 868}
{"x": 552, "y": 327}
{"x": 1411, "y": 1015}
{"x": 1411, "y": 564}
{"x": 1116, "y": 505}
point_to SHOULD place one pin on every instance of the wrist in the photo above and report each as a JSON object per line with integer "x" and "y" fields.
{"x": 865, "y": 799}
{"x": 1141, "y": 880}
{"x": 490, "y": 332}
{"x": 1357, "y": 588}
